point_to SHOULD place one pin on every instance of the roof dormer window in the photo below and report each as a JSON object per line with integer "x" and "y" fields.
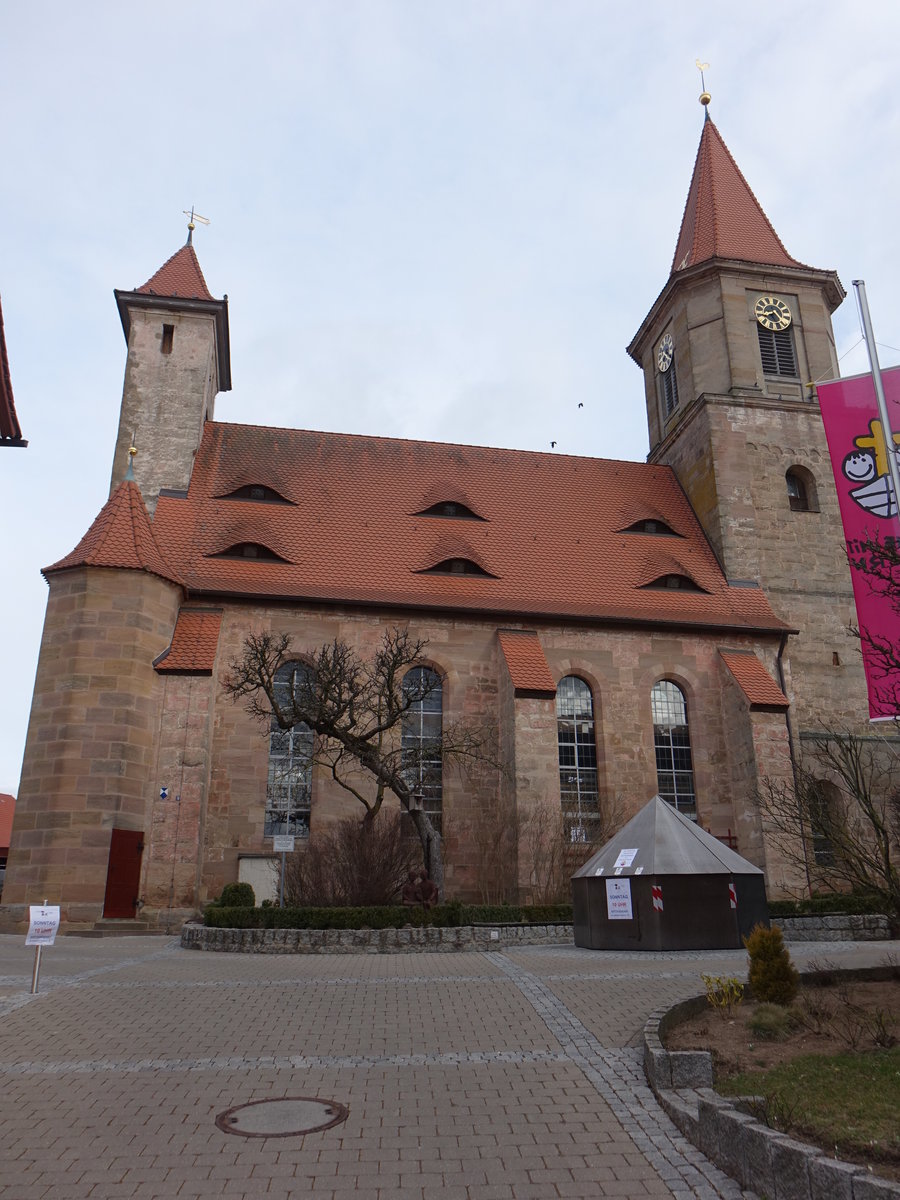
{"x": 450, "y": 508}
{"x": 457, "y": 566}
{"x": 652, "y": 525}
{"x": 254, "y": 550}
{"x": 258, "y": 492}
{"x": 674, "y": 582}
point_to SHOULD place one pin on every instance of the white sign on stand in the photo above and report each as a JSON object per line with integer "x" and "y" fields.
{"x": 618, "y": 899}
{"x": 43, "y": 922}
{"x": 283, "y": 843}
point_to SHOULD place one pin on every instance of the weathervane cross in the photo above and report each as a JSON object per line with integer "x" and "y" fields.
{"x": 705, "y": 97}
{"x": 194, "y": 216}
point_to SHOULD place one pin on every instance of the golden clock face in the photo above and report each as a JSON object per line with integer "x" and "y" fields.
{"x": 772, "y": 313}
{"x": 665, "y": 353}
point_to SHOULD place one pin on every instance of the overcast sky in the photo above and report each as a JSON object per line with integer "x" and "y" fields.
{"x": 435, "y": 220}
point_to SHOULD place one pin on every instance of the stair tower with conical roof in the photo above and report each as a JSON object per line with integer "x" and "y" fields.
{"x": 731, "y": 351}
{"x": 178, "y": 361}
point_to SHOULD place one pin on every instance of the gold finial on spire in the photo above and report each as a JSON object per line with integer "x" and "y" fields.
{"x": 194, "y": 216}
{"x": 705, "y": 97}
{"x": 132, "y": 451}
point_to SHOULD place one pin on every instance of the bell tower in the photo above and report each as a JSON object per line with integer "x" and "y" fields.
{"x": 178, "y": 361}
{"x": 731, "y": 352}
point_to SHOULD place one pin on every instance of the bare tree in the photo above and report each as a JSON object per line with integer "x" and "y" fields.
{"x": 351, "y": 864}
{"x": 356, "y": 709}
{"x": 840, "y": 823}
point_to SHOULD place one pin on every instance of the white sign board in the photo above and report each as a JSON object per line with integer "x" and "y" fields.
{"x": 283, "y": 843}
{"x": 618, "y": 899}
{"x": 625, "y": 859}
{"x": 42, "y": 925}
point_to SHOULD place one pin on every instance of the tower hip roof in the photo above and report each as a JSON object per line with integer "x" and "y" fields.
{"x": 722, "y": 217}
{"x": 121, "y": 536}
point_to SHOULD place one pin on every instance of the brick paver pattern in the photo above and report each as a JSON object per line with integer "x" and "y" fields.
{"x": 512, "y": 1075}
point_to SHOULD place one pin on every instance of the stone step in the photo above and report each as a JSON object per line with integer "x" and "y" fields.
{"x": 117, "y": 928}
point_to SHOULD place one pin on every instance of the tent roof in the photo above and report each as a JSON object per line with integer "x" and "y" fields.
{"x": 666, "y": 843}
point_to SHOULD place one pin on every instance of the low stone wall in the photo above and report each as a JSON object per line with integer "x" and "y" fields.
{"x": 373, "y": 941}
{"x": 840, "y": 927}
{"x": 761, "y": 1159}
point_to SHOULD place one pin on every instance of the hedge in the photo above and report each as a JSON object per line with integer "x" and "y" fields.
{"x": 846, "y": 903}
{"x": 389, "y": 917}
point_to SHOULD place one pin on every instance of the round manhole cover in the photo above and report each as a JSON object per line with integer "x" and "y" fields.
{"x": 290, "y": 1117}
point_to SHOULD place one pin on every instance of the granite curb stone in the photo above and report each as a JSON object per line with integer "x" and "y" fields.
{"x": 774, "y": 1165}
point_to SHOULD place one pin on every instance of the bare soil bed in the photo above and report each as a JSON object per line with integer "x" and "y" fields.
{"x": 829, "y": 1067}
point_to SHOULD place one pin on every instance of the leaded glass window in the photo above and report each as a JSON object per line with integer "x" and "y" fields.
{"x": 672, "y": 743}
{"x": 576, "y": 737}
{"x": 421, "y": 739}
{"x": 289, "y": 786}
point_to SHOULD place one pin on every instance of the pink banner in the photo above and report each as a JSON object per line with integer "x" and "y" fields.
{"x": 859, "y": 458}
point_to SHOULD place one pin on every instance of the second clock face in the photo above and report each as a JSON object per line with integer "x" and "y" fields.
{"x": 665, "y": 353}
{"x": 772, "y": 313}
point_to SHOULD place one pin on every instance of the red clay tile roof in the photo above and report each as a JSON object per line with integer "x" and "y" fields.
{"x": 722, "y": 217}
{"x": 10, "y": 430}
{"x": 7, "y": 808}
{"x": 180, "y": 276}
{"x": 753, "y": 679}
{"x": 194, "y": 642}
{"x": 525, "y": 659}
{"x": 121, "y": 536}
{"x": 551, "y": 535}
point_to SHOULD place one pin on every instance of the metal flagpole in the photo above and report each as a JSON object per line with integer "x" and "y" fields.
{"x": 893, "y": 468}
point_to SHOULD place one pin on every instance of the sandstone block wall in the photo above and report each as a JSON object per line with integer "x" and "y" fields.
{"x": 92, "y": 736}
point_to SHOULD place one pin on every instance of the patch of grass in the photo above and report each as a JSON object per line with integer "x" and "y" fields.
{"x": 847, "y": 1101}
{"x": 772, "y": 1022}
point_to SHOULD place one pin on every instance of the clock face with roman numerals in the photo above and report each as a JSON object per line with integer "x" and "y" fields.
{"x": 665, "y": 353}
{"x": 772, "y": 313}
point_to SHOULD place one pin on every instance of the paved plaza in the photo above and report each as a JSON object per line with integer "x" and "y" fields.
{"x": 498, "y": 1076}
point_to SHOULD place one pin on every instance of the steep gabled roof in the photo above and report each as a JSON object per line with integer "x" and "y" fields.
{"x": 525, "y": 660}
{"x": 194, "y": 643}
{"x": 10, "y": 430}
{"x": 722, "y": 217}
{"x": 180, "y": 276}
{"x": 550, "y": 541}
{"x": 754, "y": 680}
{"x": 121, "y": 536}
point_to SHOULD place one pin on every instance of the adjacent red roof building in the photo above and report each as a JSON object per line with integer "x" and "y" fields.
{"x": 10, "y": 430}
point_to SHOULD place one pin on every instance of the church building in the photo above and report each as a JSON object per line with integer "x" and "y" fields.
{"x": 677, "y": 627}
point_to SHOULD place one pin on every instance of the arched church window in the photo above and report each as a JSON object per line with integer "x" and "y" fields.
{"x": 823, "y": 803}
{"x": 672, "y": 744}
{"x": 576, "y": 736}
{"x": 420, "y": 735}
{"x": 801, "y": 490}
{"x": 289, "y": 785}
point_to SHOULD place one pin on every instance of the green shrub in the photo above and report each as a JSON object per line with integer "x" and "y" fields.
{"x": 849, "y": 903}
{"x": 771, "y": 1022}
{"x": 237, "y": 895}
{"x": 772, "y": 976}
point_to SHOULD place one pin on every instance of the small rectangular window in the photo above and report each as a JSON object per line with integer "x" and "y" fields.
{"x": 168, "y": 338}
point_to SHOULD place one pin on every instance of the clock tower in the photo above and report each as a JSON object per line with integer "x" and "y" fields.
{"x": 731, "y": 351}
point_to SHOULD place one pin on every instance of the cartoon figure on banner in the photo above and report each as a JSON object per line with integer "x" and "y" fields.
{"x": 867, "y": 468}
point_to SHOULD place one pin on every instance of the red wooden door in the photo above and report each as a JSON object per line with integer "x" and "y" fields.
{"x": 123, "y": 879}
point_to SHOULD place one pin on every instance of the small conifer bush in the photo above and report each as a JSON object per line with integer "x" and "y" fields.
{"x": 772, "y": 977}
{"x": 237, "y": 895}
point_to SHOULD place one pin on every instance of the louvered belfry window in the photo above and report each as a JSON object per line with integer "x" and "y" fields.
{"x": 670, "y": 390}
{"x": 776, "y": 349}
